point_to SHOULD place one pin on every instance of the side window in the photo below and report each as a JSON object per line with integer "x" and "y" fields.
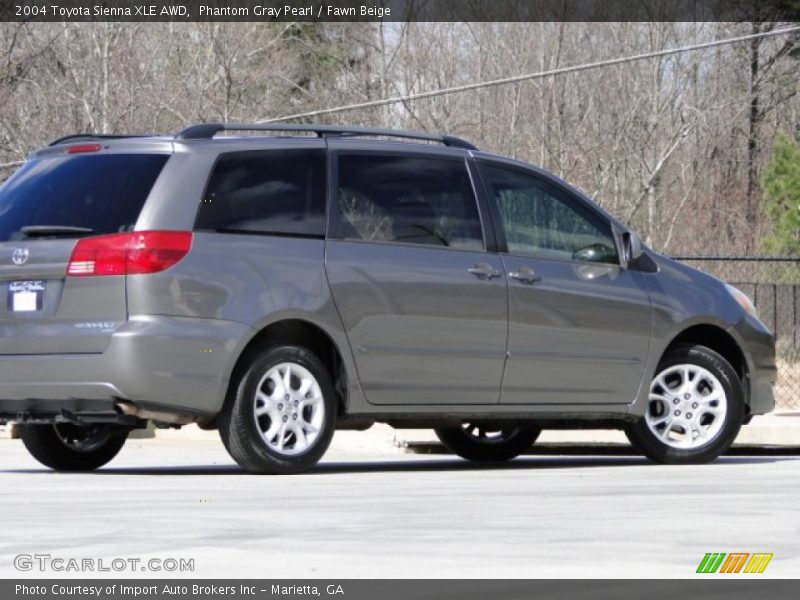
{"x": 269, "y": 191}
{"x": 408, "y": 199}
{"x": 541, "y": 221}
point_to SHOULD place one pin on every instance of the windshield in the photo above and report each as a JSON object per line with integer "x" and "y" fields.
{"x": 77, "y": 195}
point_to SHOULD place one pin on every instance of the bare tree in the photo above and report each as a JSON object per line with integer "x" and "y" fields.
{"x": 674, "y": 144}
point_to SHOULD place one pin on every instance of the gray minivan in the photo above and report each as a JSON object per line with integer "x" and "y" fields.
{"x": 290, "y": 280}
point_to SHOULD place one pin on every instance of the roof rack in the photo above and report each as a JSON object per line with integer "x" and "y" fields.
{"x": 81, "y": 137}
{"x": 205, "y": 131}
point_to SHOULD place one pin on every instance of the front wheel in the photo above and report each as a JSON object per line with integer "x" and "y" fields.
{"x": 694, "y": 411}
{"x": 281, "y": 416}
{"x": 68, "y": 447}
{"x": 484, "y": 441}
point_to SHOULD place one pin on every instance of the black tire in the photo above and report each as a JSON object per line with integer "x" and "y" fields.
{"x": 645, "y": 441}
{"x": 241, "y": 431}
{"x": 484, "y": 442}
{"x": 67, "y": 447}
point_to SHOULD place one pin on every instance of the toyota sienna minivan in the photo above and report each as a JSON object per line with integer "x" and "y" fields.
{"x": 279, "y": 282}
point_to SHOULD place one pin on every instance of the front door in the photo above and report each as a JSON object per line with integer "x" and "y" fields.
{"x": 579, "y": 323}
{"x": 424, "y": 305}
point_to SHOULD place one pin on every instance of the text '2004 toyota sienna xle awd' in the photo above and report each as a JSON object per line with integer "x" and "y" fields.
{"x": 278, "y": 287}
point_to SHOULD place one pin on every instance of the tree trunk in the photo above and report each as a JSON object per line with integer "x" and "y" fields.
{"x": 754, "y": 117}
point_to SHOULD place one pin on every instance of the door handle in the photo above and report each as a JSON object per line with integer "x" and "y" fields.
{"x": 484, "y": 271}
{"x": 525, "y": 275}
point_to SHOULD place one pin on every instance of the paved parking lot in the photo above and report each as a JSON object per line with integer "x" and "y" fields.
{"x": 368, "y": 513}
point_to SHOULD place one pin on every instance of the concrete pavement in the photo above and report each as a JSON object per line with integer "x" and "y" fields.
{"x": 381, "y": 513}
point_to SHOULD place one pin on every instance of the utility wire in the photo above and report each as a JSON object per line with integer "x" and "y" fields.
{"x": 515, "y": 79}
{"x": 530, "y": 76}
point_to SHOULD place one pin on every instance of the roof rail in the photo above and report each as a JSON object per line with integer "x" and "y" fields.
{"x": 205, "y": 131}
{"x": 78, "y": 137}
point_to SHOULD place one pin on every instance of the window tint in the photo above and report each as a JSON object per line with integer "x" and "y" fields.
{"x": 542, "y": 221}
{"x": 408, "y": 199}
{"x": 272, "y": 191}
{"x": 104, "y": 192}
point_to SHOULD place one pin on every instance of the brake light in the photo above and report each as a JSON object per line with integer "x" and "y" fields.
{"x": 134, "y": 253}
{"x": 83, "y": 148}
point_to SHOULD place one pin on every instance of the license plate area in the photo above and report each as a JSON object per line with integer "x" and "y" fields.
{"x": 25, "y": 296}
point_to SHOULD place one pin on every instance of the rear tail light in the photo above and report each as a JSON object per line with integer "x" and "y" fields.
{"x": 133, "y": 253}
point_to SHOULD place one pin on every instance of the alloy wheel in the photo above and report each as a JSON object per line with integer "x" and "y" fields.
{"x": 289, "y": 409}
{"x": 687, "y": 406}
{"x": 82, "y": 438}
{"x": 487, "y": 433}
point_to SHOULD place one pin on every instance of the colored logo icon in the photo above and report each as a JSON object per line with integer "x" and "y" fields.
{"x": 734, "y": 562}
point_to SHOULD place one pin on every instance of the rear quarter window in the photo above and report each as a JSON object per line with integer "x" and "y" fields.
{"x": 279, "y": 192}
{"x": 104, "y": 193}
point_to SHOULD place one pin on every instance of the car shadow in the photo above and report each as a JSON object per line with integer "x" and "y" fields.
{"x": 416, "y": 465}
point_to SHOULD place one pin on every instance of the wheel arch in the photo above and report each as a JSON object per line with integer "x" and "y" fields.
{"x": 720, "y": 341}
{"x": 300, "y": 332}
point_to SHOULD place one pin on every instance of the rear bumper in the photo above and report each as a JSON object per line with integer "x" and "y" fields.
{"x": 171, "y": 362}
{"x": 758, "y": 343}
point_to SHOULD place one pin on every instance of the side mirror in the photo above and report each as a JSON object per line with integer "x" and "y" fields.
{"x": 632, "y": 245}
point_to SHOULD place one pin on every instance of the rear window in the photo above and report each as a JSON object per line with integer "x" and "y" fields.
{"x": 278, "y": 192}
{"x": 103, "y": 193}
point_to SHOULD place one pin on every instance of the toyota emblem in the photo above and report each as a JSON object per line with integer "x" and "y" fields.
{"x": 20, "y": 256}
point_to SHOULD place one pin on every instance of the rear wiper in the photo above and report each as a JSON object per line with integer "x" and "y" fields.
{"x": 54, "y": 230}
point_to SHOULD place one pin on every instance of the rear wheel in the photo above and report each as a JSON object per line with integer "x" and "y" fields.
{"x": 694, "y": 411}
{"x": 485, "y": 441}
{"x": 68, "y": 447}
{"x": 281, "y": 417}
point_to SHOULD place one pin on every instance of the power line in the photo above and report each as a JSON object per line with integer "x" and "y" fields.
{"x": 530, "y": 76}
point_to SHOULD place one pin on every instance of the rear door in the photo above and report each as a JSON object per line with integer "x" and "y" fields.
{"x": 49, "y": 203}
{"x": 579, "y": 323}
{"x": 423, "y": 303}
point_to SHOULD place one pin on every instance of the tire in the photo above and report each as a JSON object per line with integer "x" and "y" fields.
{"x": 67, "y": 447}
{"x": 694, "y": 411}
{"x": 272, "y": 441}
{"x": 485, "y": 442}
